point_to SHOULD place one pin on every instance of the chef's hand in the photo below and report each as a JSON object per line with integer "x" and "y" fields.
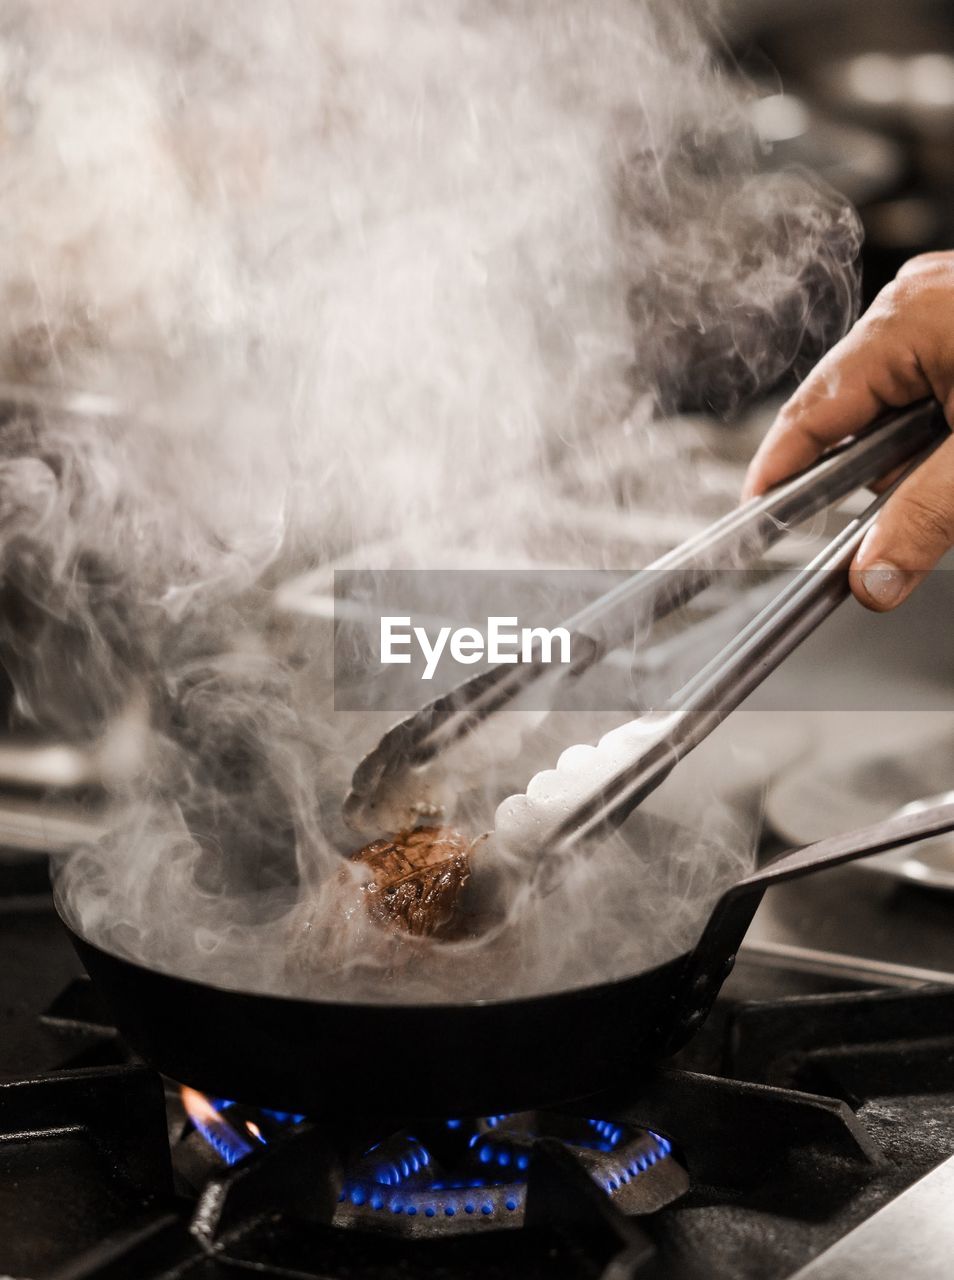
{"x": 900, "y": 350}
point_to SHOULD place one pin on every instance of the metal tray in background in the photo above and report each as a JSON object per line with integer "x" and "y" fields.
{"x": 930, "y": 863}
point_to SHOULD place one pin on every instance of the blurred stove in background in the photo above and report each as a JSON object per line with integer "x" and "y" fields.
{"x": 863, "y": 92}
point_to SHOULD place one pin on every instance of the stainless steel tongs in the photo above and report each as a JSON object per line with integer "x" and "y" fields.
{"x": 592, "y": 789}
{"x": 738, "y": 539}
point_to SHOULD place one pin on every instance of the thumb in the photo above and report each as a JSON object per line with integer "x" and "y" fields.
{"x": 913, "y": 531}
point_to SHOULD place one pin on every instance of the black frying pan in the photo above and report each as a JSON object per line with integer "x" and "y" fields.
{"x": 325, "y": 1057}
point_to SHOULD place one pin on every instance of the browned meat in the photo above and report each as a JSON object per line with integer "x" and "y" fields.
{"x": 367, "y": 920}
{"x": 417, "y": 879}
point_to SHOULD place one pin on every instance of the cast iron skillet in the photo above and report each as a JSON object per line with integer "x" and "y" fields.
{"x": 332, "y": 1058}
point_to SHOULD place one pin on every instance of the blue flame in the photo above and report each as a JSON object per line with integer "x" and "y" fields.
{"x": 620, "y": 1174}
{"x": 402, "y": 1180}
{"x": 413, "y": 1159}
{"x": 609, "y": 1131}
{"x": 504, "y": 1154}
{"x": 384, "y": 1189}
{"x": 224, "y": 1141}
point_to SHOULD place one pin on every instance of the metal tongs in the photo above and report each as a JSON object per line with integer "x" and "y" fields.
{"x": 739, "y": 539}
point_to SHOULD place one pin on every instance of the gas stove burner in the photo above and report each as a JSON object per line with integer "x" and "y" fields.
{"x": 457, "y": 1175}
{"x": 477, "y": 1170}
{"x": 231, "y": 1130}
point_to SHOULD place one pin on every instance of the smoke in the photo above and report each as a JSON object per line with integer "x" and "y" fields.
{"x": 286, "y": 283}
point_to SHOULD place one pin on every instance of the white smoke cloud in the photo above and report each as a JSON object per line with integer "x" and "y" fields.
{"x": 341, "y": 272}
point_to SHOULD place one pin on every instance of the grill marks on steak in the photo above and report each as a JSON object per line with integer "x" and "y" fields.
{"x": 417, "y": 879}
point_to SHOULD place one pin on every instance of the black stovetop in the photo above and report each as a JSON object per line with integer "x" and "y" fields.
{"x": 810, "y": 1100}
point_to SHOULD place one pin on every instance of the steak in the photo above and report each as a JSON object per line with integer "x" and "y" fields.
{"x": 416, "y": 879}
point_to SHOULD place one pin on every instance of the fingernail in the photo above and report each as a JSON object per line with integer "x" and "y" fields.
{"x": 885, "y": 584}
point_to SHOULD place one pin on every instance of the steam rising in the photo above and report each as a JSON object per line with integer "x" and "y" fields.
{"x": 282, "y": 283}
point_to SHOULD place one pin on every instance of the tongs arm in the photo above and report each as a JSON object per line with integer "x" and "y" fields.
{"x": 638, "y": 757}
{"x": 739, "y": 539}
{"x": 743, "y": 535}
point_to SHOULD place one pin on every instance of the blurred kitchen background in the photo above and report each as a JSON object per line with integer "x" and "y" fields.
{"x": 864, "y": 94}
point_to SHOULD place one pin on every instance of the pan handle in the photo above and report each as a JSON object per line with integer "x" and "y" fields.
{"x": 714, "y": 956}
